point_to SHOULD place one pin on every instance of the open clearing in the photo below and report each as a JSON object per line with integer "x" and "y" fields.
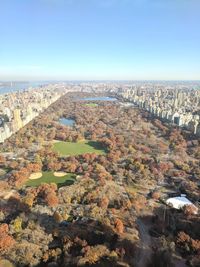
{"x": 83, "y": 147}
{"x": 93, "y": 105}
{"x": 49, "y": 177}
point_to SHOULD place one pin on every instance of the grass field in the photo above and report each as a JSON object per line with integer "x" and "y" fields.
{"x": 48, "y": 178}
{"x": 91, "y": 105}
{"x": 72, "y": 149}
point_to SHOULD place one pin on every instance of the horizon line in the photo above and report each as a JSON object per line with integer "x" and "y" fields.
{"x": 99, "y": 80}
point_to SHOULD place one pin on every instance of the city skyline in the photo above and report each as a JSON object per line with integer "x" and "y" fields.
{"x": 110, "y": 40}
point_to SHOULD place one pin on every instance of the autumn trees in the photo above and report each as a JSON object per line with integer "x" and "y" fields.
{"x": 188, "y": 244}
{"x": 2, "y": 161}
{"x": 48, "y": 193}
{"x": 110, "y": 191}
{"x": 33, "y": 167}
{"x": 119, "y": 226}
{"x": 104, "y": 202}
{"x": 6, "y": 240}
{"x": 18, "y": 178}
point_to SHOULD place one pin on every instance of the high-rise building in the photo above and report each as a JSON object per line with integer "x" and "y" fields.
{"x": 17, "y": 118}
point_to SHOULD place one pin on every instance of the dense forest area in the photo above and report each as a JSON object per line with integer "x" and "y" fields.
{"x": 114, "y": 213}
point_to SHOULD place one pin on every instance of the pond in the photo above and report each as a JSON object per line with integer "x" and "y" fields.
{"x": 67, "y": 121}
{"x": 99, "y": 98}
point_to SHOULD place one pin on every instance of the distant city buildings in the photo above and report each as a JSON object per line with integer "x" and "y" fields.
{"x": 178, "y": 104}
{"x": 19, "y": 108}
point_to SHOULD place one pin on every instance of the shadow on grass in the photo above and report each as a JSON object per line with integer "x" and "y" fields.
{"x": 66, "y": 183}
{"x": 97, "y": 146}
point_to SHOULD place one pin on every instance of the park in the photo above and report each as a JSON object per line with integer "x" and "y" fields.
{"x": 78, "y": 148}
{"x": 51, "y": 177}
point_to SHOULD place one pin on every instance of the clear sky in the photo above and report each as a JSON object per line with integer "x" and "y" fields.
{"x": 99, "y": 39}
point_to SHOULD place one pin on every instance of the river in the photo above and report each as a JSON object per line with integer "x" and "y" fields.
{"x": 10, "y": 87}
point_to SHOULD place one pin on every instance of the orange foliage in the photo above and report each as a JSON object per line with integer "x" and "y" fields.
{"x": 6, "y": 241}
{"x": 48, "y": 193}
{"x": 155, "y": 195}
{"x": 104, "y": 203}
{"x": 18, "y": 178}
{"x": 119, "y": 226}
{"x": 189, "y": 210}
{"x": 184, "y": 239}
{"x": 2, "y": 160}
{"x": 4, "y": 185}
{"x": 33, "y": 167}
{"x": 51, "y": 199}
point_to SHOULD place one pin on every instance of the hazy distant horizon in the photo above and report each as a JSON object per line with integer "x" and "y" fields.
{"x": 13, "y": 86}
{"x": 96, "y": 80}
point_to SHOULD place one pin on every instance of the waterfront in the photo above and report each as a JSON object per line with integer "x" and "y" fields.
{"x": 18, "y": 86}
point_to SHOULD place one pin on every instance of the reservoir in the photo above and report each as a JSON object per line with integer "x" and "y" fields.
{"x": 67, "y": 121}
{"x": 100, "y": 98}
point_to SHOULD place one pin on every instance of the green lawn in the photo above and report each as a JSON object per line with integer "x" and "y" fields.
{"x": 71, "y": 148}
{"x": 48, "y": 178}
{"x": 91, "y": 105}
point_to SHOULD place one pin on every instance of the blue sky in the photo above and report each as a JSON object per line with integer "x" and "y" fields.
{"x": 99, "y": 39}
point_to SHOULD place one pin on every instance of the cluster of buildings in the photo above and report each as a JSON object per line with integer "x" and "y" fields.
{"x": 178, "y": 104}
{"x": 19, "y": 108}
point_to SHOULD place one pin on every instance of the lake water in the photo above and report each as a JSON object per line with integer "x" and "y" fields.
{"x": 67, "y": 122}
{"x": 19, "y": 86}
{"x": 100, "y": 98}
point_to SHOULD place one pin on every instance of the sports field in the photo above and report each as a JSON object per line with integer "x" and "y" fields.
{"x": 91, "y": 105}
{"x": 78, "y": 148}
